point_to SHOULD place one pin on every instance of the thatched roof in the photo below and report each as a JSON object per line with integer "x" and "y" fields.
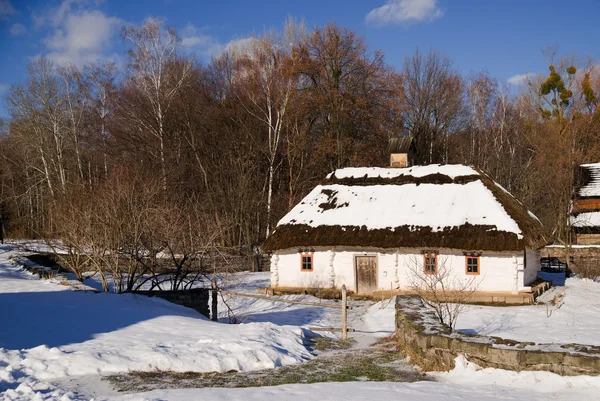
{"x": 451, "y": 206}
{"x": 400, "y": 144}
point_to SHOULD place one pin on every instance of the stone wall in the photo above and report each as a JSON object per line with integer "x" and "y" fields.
{"x": 418, "y": 329}
{"x": 43, "y": 272}
{"x": 196, "y": 298}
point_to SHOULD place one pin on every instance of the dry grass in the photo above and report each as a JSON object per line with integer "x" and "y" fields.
{"x": 380, "y": 363}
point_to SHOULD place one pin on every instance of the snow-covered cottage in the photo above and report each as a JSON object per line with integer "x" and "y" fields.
{"x": 372, "y": 228}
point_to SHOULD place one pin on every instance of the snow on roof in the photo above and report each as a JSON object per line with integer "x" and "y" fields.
{"x": 452, "y": 206}
{"x": 385, "y": 206}
{"x": 451, "y": 170}
{"x": 592, "y": 186}
{"x": 588, "y": 219}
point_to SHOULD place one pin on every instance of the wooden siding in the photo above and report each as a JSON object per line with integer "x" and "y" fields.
{"x": 586, "y": 205}
{"x": 588, "y": 239}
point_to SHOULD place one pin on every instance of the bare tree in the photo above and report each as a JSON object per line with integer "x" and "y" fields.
{"x": 75, "y": 104}
{"x": 264, "y": 81}
{"x": 433, "y": 97}
{"x": 481, "y": 91}
{"x": 445, "y": 291}
{"x": 102, "y": 100}
{"x": 156, "y": 70}
{"x": 38, "y": 109}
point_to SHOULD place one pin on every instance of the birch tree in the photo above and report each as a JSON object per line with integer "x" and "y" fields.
{"x": 155, "y": 69}
{"x": 102, "y": 98}
{"x": 37, "y": 108}
{"x": 266, "y": 85}
{"x": 75, "y": 103}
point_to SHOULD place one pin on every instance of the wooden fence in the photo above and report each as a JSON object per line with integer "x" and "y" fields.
{"x": 344, "y": 307}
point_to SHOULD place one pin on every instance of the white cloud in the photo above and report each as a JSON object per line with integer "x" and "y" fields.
{"x": 404, "y": 11}
{"x": 193, "y": 39}
{"x": 243, "y": 45}
{"x": 79, "y": 34}
{"x": 17, "y": 29}
{"x": 6, "y": 8}
{"x": 520, "y": 79}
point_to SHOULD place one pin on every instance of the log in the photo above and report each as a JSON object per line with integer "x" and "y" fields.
{"x": 334, "y": 329}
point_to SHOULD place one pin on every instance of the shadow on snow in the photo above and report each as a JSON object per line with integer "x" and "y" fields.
{"x": 57, "y": 318}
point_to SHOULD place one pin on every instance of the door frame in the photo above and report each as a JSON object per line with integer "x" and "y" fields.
{"x": 376, "y": 256}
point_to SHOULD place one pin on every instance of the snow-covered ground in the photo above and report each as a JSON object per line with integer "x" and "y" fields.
{"x": 467, "y": 382}
{"x": 574, "y": 319}
{"x": 50, "y": 332}
{"x": 51, "y": 335}
{"x": 56, "y": 344}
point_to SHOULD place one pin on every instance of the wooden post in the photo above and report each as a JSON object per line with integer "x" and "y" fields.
{"x": 213, "y": 312}
{"x": 344, "y": 313}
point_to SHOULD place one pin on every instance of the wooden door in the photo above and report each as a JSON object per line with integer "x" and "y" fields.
{"x": 366, "y": 274}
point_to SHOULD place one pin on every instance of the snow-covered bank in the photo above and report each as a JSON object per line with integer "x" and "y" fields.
{"x": 466, "y": 382}
{"x": 574, "y": 319}
{"x": 50, "y": 332}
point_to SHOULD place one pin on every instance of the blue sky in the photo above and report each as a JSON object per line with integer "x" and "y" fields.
{"x": 505, "y": 37}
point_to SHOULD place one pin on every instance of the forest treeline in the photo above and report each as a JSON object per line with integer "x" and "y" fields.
{"x": 170, "y": 154}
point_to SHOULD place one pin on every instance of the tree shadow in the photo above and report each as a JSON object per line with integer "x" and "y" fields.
{"x": 57, "y": 318}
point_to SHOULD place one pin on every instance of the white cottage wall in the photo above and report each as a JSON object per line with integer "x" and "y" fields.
{"x": 290, "y": 274}
{"x": 499, "y": 271}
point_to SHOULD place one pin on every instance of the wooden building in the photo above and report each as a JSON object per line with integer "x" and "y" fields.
{"x": 585, "y": 216}
{"x": 402, "y": 151}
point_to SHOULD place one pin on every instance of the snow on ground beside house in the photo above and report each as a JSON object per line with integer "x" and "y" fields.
{"x": 385, "y": 206}
{"x": 575, "y": 321}
{"x": 379, "y": 319}
{"x": 451, "y": 170}
{"x": 370, "y": 320}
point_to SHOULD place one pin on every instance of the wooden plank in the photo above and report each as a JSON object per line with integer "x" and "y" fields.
{"x": 333, "y": 329}
{"x": 287, "y": 301}
{"x": 215, "y": 302}
{"x": 344, "y": 313}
